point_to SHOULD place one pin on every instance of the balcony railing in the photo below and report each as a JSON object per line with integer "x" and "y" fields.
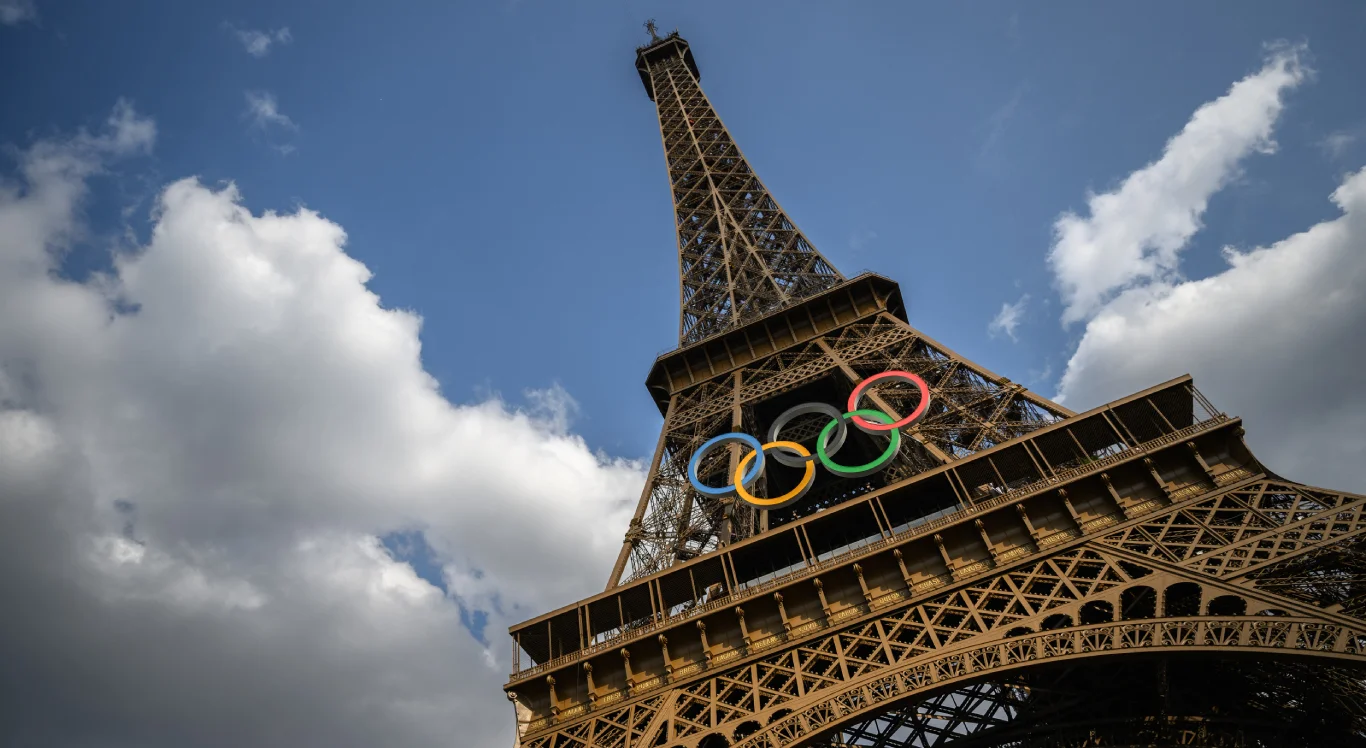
{"x": 877, "y": 543}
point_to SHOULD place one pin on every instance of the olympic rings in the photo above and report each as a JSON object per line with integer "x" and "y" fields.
{"x": 793, "y": 454}
{"x": 906, "y": 422}
{"x": 785, "y": 456}
{"x": 858, "y": 471}
{"x": 808, "y": 478}
{"x": 714, "y": 442}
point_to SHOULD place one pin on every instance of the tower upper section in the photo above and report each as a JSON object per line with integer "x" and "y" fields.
{"x": 740, "y": 256}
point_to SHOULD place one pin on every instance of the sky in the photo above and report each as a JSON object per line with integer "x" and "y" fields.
{"x": 324, "y": 326}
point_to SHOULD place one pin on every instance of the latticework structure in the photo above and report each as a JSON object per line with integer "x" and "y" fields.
{"x": 1020, "y": 575}
{"x": 740, "y": 256}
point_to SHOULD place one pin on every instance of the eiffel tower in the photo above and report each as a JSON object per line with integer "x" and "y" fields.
{"x": 1009, "y": 573}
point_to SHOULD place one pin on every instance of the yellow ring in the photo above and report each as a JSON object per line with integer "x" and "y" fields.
{"x": 802, "y": 485}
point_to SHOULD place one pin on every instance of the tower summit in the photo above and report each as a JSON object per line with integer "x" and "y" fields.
{"x": 740, "y": 256}
{"x": 852, "y": 536}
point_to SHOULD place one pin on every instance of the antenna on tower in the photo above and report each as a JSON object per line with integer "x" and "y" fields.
{"x": 654, "y": 30}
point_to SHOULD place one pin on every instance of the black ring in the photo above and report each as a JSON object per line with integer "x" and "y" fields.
{"x": 792, "y": 459}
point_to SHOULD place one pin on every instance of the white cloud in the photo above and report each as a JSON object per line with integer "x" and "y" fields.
{"x": 199, "y": 454}
{"x": 1008, "y": 319}
{"x": 127, "y": 132}
{"x": 1336, "y": 144}
{"x": 1279, "y": 337}
{"x": 999, "y": 121}
{"x": 258, "y": 43}
{"x": 264, "y": 111}
{"x": 1136, "y": 232}
{"x": 15, "y": 12}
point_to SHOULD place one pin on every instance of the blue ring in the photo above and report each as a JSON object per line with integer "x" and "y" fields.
{"x": 716, "y": 441}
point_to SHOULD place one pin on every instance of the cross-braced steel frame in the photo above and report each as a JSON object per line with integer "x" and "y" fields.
{"x": 971, "y": 409}
{"x": 752, "y": 285}
{"x": 1201, "y": 617}
{"x": 1021, "y": 575}
{"x": 740, "y": 256}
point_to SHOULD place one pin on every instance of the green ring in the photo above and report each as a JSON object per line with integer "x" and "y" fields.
{"x": 858, "y": 471}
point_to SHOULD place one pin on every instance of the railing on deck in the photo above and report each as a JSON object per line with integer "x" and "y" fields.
{"x": 878, "y": 543}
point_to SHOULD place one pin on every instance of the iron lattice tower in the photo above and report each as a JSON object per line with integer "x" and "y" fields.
{"x": 740, "y": 257}
{"x": 1021, "y": 575}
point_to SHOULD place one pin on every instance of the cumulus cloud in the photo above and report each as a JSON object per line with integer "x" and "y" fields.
{"x": 15, "y": 12}
{"x": 1278, "y": 337}
{"x": 1136, "y": 232}
{"x": 258, "y": 43}
{"x": 1008, "y": 319}
{"x": 264, "y": 111}
{"x": 202, "y": 453}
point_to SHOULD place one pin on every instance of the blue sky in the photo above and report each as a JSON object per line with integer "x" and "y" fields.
{"x": 238, "y": 476}
{"x": 498, "y": 168}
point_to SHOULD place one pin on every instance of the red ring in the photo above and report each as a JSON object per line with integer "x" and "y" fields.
{"x": 866, "y": 425}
